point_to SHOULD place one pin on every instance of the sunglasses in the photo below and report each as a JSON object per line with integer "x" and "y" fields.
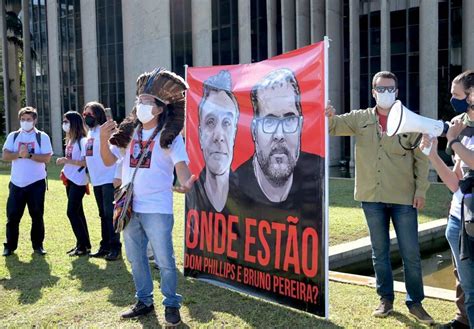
{"x": 381, "y": 89}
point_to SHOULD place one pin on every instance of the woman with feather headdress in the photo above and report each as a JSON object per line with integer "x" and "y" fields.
{"x": 154, "y": 125}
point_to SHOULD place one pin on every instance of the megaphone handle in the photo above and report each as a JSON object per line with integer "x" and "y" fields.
{"x": 426, "y": 151}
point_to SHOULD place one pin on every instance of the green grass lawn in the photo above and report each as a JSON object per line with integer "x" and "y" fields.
{"x": 59, "y": 291}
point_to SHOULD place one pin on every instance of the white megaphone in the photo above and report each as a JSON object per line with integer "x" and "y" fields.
{"x": 402, "y": 120}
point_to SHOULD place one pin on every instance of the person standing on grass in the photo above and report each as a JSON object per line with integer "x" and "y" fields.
{"x": 101, "y": 178}
{"x": 156, "y": 129}
{"x": 463, "y": 103}
{"x": 75, "y": 178}
{"x": 29, "y": 150}
{"x": 391, "y": 182}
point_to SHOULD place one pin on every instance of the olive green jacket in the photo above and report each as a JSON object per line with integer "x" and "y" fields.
{"x": 384, "y": 170}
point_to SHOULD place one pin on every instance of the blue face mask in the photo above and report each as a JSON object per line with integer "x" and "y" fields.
{"x": 459, "y": 105}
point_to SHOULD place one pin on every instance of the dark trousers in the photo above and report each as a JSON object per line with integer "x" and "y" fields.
{"x": 104, "y": 196}
{"x": 75, "y": 213}
{"x": 20, "y": 197}
{"x": 461, "y": 314}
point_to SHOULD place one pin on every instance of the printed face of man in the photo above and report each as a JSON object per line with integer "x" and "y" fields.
{"x": 217, "y": 128}
{"x": 136, "y": 150}
{"x": 277, "y": 131}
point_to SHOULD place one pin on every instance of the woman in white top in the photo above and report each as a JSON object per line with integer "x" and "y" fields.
{"x": 101, "y": 178}
{"x": 75, "y": 178}
{"x": 154, "y": 129}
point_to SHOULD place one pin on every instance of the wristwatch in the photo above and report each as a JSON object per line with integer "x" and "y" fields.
{"x": 456, "y": 140}
{"x": 449, "y": 150}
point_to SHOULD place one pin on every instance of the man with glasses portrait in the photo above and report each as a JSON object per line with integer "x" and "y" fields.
{"x": 391, "y": 181}
{"x": 277, "y": 165}
{"x": 280, "y": 182}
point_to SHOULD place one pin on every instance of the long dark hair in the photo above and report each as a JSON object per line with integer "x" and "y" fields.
{"x": 125, "y": 130}
{"x": 98, "y": 110}
{"x": 77, "y": 129}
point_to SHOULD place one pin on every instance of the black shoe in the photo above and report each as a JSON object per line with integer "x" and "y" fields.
{"x": 40, "y": 251}
{"x": 172, "y": 316}
{"x": 71, "y": 250}
{"x": 101, "y": 253}
{"x": 137, "y": 310}
{"x": 454, "y": 324}
{"x": 7, "y": 251}
{"x": 113, "y": 255}
{"x": 77, "y": 252}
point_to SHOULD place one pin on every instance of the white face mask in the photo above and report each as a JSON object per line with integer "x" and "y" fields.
{"x": 27, "y": 125}
{"x": 66, "y": 127}
{"x": 144, "y": 113}
{"x": 385, "y": 100}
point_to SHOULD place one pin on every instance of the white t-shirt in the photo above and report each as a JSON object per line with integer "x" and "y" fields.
{"x": 152, "y": 192}
{"x": 27, "y": 171}
{"x": 73, "y": 152}
{"x": 99, "y": 173}
{"x": 118, "y": 170}
{"x": 455, "y": 210}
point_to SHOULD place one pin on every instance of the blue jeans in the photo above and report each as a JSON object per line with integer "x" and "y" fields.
{"x": 156, "y": 228}
{"x": 465, "y": 267}
{"x": 404, "y": 218}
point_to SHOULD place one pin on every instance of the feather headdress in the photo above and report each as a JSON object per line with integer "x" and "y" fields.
{"x": 168, "y": 88}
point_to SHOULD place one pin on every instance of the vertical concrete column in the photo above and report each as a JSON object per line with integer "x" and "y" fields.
{"x": 334, "y": 11}
{"x": 89, "y": 51}
{"x": 468, "y": 35}
{"x": 25, "y": 7}
{"x": 288, "y": 27}
{"x": 385, "y": 49}
{"x": 271, "y": 27}
{"x": 201, "y": 12}
{"x": 429, "y": 58}
{"x": 303, "y": 15}
{"x": 354, "y": 64}
{"x": 145, "y": 46}
{"x": 245, "y": 41}
{"x": 54, "y": 75}
{"x": 318, "y": 20}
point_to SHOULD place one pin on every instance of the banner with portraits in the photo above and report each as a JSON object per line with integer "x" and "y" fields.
{"x": 256, "y": 139}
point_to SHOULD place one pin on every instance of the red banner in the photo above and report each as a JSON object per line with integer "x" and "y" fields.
{"x": 255, "y": 135}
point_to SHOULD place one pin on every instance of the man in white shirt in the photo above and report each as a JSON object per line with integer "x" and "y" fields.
{"x": 29, "y": 150}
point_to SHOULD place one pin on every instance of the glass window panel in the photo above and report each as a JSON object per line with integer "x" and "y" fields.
{"x": 398, "y": 63}
{"x": 398, "y": 18}
{"x": 398, "y": 40}
{"x": 414, "y": 63}
{"x": 375, "y": 20}
{"x": 443, "y": 34}
{"x": 413, "y": 38}
{"x": 375, "y": 42}
{"x": 414, "y": 16}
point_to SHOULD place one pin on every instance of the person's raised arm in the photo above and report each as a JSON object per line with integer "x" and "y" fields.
{"x": 341, "y": 125}
{"x": 448, "y": 176}
{"x": 106, "y": 154}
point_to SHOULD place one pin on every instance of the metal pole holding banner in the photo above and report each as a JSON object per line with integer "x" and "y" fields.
{"x": 185, "y": 79}
{"x": 326, "y": 181}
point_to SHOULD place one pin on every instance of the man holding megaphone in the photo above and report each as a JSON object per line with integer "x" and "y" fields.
{"x": 391, "y": 182}
{"x": 460, "y": 180}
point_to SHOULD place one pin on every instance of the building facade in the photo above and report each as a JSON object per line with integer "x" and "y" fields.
{"x": 95, "y": 49}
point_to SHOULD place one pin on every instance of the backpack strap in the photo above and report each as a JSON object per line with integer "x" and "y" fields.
{"x": 15, "y": 135}
{"x": 38, "y": 138}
